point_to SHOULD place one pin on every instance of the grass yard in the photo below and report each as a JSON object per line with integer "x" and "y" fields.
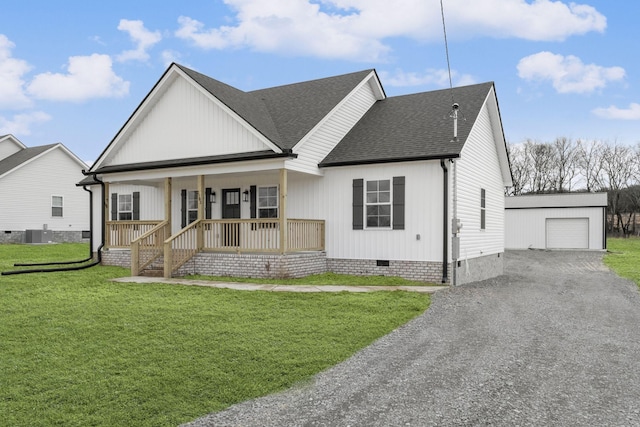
{"x": 78, "y": 350}
{"x": 624, "y": 257}
{"x": 324, "y": 279}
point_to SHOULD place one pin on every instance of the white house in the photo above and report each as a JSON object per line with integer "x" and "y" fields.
{"x": 556, "y": 221}
{"x": 323, "y": 175}
{"x": 39, "y": 199}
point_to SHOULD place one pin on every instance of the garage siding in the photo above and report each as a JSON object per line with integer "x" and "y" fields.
{"x": 527, "y": 228}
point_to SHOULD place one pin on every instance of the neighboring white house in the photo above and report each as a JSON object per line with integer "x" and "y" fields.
{"x": 556, "y": 221}
{"x": 323, "y": 175}
{"x": 39, "y": 199}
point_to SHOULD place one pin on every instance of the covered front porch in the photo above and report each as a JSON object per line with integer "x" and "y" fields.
{"x": 209, "y": 218}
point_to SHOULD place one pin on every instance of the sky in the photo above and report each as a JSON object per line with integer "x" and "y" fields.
{"x": 74, "y": 71}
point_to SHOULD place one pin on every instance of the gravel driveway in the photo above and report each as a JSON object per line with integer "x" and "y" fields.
{"x": 554, "y": 342}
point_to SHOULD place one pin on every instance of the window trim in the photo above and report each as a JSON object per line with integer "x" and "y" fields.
{"x": 277, "y": 200}
{"x": 190, "y": 198}
{"x": 388, "y": 203}
{"x": 122, "y": 211}
{"x": 53, "y": 206}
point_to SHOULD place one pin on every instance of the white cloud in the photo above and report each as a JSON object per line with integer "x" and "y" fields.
{"x": 357, "y": 29}
{"x": 615, "y": 113}
{"x": 568, "y": 74}
{"x": 169, "y": 56}
{"x": 20, "y": 124}
{"x": 438, "y": 78}
{"x": 87, "y": 77}
{"x": 143, "y": 38}
{"x": 540, "y": 20}
{"x": 12, "y": 70}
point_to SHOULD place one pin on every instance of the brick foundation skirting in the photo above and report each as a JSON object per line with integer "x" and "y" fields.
{"x": 20, "y": 236}
{"x": 423, "y": 271}
{"x": 256, "y": 265}
{"x": 307, "y": 263}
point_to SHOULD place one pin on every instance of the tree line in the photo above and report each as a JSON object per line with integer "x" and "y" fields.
{"x": 567, "y": 165}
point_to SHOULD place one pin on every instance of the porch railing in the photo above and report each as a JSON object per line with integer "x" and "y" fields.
{"x": 120, "y": 234}
{"x": 148, "y": 247}
{"x": 180, "y": 247}
{"x": 149, "y": 239}
{"x": 261, "y": 235}
{"x": 305, "y": 235}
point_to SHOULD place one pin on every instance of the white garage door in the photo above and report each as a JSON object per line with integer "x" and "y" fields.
{"x": 567, "y": 233}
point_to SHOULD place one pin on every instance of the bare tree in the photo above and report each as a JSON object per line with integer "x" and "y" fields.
{"x": 617, "y": 171}
{"x": 520, "y": 169}
{"x": 589, "y": 161}
{"x": 542, "y": 177}
{"x": 565, "y": 164}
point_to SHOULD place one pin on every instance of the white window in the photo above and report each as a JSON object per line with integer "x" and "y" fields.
{"x": 56, "y": 206}
{"x": 192, "y": 205}
{"x": 125, "y": 207}
{"x": 378, "y": 204}
{"x": 268, "y": 202}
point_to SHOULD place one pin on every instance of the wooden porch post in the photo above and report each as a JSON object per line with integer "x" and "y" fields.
{"x": 166, "y": 247}
{"x": 284, "y": 232}
{"x": 107, "y": 217}
{"x": 167, "y": 200}
{"x": 200, "y": 230}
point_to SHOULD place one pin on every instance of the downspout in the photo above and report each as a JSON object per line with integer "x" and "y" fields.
{"x": 33, "y": 264}
{"x": 445, "y": 221}
{"x": 77, "y": 267}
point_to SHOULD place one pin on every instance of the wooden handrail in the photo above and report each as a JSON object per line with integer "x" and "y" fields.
{"x": 148, "y": 247}
{"x": 180, "y": 247}
{"x": 120, "y": 234}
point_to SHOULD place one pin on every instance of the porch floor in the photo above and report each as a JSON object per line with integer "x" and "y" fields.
{"x": 277, "y": 288}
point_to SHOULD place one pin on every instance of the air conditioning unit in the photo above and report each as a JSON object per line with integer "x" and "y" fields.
{"x": 38, "y": 236}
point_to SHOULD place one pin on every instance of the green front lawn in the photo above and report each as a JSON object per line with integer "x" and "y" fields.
{"x": 324, "y": 279}
{"x": 77, "y": 349}
{"x": 623, "y": 257}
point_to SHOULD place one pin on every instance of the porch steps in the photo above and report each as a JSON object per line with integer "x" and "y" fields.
{"x": 156, "y": 269}
{"x": 152, "y": 272}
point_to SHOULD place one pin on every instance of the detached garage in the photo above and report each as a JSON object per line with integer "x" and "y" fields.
{"x": 556, "y": 221}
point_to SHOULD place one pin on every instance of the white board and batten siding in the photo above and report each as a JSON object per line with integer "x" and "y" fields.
{"x": 25, "y": 194}
{"x": 200, "y": 126}
{"x": 330, "y": 198}
{"x": 478, "y": 168}
{"x": 556, "y": 221}
{"x": 330, "y": 131}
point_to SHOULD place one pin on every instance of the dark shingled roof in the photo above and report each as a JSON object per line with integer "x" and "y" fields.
{"x": 284, "y": 114}
{"x": 411, "y": 127}
{"x": 297, "y": 108}
{"x": 22, "y": 156}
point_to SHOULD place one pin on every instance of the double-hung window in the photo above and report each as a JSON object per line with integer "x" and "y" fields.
{"x": 378, "y": 201}
{"x": 268, "y": 202}
{"x": 192, "y": 205}
{"x": 125, "y": 207}
{"x": 56, "y": 206}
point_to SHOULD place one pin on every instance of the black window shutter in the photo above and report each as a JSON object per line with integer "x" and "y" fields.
{"x": 114, "y": 206}
{"x": 358, "y": 206}
{"x": 207, "y": 204}
{"x": 252, "y": 198}
{"x": 398, "y": 202}
{"x": 136, "y": 206}
{"x": 183, "y": 198}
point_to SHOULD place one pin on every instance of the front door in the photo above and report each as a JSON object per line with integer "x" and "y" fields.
{"x": 231, "y": 210}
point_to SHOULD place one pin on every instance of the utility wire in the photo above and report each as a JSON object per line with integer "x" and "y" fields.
{"x": 446, "y": 48}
